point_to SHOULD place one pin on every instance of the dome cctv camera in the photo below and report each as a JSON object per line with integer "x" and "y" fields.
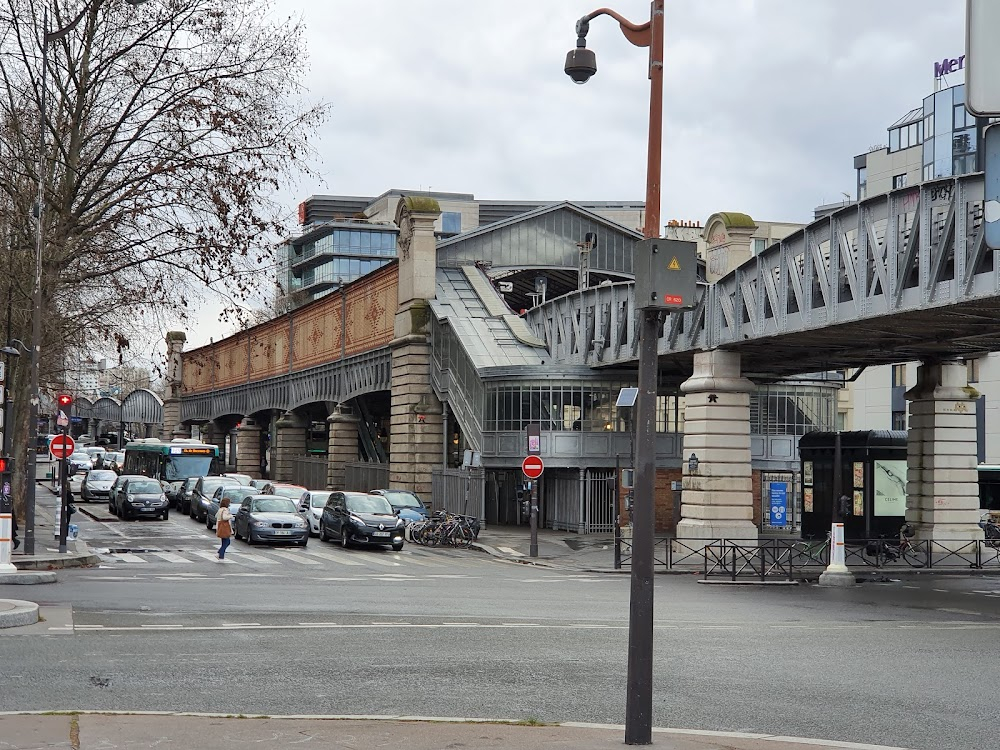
{"x": 581, "y": 64}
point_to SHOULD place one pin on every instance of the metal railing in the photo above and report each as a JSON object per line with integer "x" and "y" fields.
{"x": 461, "y": 491}
{"x": 310, "y": 471}
{"x": 790, "y": 559}
{"x": 361, "y": 476}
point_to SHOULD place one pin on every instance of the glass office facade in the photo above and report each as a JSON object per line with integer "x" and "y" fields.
{"x": 340, "y": 256}
{"x": 949, "y": 134}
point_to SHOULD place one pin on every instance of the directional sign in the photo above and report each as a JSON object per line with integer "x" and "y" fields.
{"x": 532, "y": 467}
{"x": 62, "y": 446}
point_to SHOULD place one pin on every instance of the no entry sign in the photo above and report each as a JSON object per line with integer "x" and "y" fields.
{"x": 532, "y": 467}
{"x": 62, "y": 446}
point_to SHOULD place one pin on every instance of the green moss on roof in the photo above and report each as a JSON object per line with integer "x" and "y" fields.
{"x": 422, "y": 204}
{"x": 732, "y": 219}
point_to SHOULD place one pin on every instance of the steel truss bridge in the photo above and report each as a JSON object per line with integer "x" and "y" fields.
{"x": 334, "y": 382}
{"x": 898, "y": 277}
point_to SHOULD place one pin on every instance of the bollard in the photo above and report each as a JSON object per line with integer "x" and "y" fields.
{"x": 837, "y": 572}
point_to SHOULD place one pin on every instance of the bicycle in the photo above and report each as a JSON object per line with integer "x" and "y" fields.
{"x": 885, "y": 551}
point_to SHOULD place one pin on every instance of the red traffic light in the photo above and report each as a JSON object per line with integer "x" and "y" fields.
{"x": 3, "y": 464}
{"x": 64, "y": 400}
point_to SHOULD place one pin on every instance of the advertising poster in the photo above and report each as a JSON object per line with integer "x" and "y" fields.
{"x": 859, "y": 503}
{"x": 859, "y": 476}
{"x": 778, "y": 496}
{"x": 890, "y": 488}
{"x": 807, "y": 472}
{"x": 807, "y": 499}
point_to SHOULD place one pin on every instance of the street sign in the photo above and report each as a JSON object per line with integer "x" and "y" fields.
{"x": 665, "y": 274}
{"x": 982, "y": 57}
{"x": 62, "y": 446}
{"x": 991, "y": 186}
{"x": 532, "y": 467}
{"x": 534, "y": 432}
{"x": 778, "y": 496}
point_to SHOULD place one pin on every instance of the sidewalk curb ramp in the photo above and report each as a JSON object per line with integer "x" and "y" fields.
{"x": 15, "y": 613}
{"x": 27, "y": 577}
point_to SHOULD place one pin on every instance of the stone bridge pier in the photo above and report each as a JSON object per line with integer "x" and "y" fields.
{"x": 942, "y": 488}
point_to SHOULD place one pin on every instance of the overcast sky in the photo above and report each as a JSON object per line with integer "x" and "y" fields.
{"x": 766, "y": 101}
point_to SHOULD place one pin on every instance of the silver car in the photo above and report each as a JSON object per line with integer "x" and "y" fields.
{"x": 96, "y": 485}
{"x": 269, "y": 518}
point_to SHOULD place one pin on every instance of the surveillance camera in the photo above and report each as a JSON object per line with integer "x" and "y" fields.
{"x": 581, "y": 64}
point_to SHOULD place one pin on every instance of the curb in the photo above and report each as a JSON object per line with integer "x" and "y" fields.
{"x": 27, "y": 577}
{"x": 15, "y": 613}
{"x": 82, "y": 558}
{"x": 763, "y": 737}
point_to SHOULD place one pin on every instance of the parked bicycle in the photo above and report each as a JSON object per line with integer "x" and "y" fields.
{"x": 446, "y": 529}
{"x": 887, "y": 551}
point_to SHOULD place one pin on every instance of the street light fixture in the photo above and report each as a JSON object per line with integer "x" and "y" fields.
{"x": 48, "y": 37}
{"x": 581, "y": 65}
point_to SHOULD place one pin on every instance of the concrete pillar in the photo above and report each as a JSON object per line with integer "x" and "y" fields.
{"x": 248, "y": 448}
{"x": 289, "y": 443}
{"x": 172, "y": 426}
{"x": 942, "y": 488}
{"x": 717, "y": 498}
{"x": 417, "y": 423}
{"x": 343, "y": 445}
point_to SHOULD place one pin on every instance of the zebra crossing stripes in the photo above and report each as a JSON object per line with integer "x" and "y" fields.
{"x": 314, "y": 559}
{"x": 296, "y": 557}
{"x": 339, "y": 558}
{"x": 170, "y": 557}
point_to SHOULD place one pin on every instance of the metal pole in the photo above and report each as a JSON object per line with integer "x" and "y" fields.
{"x": 639, "y": 699}
{"x": 63, "y": 497}
{"x": 36, "y": 308}
{"x": 639, "y": 691}
{"x": 838, "y": 479}
{"x": 533, "y": 546}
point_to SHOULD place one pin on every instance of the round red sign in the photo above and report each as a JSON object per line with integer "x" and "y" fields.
{"x": 532, "y": 466}
{"x": 62, "y": 446}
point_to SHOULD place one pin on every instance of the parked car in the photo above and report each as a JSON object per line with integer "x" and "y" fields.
{"x": 259, "y": 484}
{"x": 406, "y": 504}
{"x": 182, "y": 498}
{"x": 75, "y": 482}
{"x": 270, "y": 518}
{"x": 80, "y": 461}
{"x": 201, "y": 496}
{"x": 236, "y": 494}
{"x": 292, "y": 491}
{"x": 311, "y": 506}
{"x": 96, "y": 454}
{"x": 114, "y": 460}
{"x": 142, "y": 496}
{"x": 96, "y": 485}
{"x": 116, "y": 487}
{"x": 357, "y": 517}
{"x": 244, "y": 479}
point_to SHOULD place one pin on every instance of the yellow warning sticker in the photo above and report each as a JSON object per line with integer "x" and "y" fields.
{"x": 674, "y": 265}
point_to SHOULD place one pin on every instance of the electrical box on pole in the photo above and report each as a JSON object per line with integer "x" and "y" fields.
{"x": 665, "y": 274}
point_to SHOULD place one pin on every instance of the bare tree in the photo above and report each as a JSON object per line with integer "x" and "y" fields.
{"x": 168, "y": 128}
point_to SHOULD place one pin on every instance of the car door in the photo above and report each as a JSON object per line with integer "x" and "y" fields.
{"x": 241, "y": 519}
{"x": 326, "y": 517}
{"x": 339, "y": 513}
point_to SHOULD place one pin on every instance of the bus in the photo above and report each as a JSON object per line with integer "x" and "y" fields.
{"x": 170, "y": 463}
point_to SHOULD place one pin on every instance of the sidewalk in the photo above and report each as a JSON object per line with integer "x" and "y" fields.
{"x": 47, "y": 556}
{"x": 564, "y": 549}
{"x": 218, "y": 732}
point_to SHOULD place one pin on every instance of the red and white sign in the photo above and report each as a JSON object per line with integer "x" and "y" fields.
{"x": 532, "y": 467}
{"x": 62, "y": 446}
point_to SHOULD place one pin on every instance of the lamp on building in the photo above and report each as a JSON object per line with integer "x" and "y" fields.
{"x": 693, "y": 464}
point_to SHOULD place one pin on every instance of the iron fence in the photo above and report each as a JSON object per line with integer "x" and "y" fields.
{"x": 310, "y": 471}
{"x": 791, "y": 559}
{"x": 459, "y": 491}
{"x": 361, "y": 476}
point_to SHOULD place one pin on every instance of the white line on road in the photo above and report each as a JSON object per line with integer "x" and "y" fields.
{"x": 340, "y": 559}
{"x": 170, "y": 557}
{"x": 127, "y": 557}
{"x": 294, "y": 557}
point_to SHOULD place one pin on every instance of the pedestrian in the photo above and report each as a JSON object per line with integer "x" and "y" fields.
{"x": 223, "y": 526}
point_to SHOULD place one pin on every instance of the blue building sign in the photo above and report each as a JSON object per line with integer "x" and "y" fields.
{"x": 778, "y": 497}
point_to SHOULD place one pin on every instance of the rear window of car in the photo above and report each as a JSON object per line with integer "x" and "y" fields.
{"x": 292, "y": 493}
{"x": 236, "y": 494}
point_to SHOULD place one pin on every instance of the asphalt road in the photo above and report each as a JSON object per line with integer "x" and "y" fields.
{"x": 449, "y": 633}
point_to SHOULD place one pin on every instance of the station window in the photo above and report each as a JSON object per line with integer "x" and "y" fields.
{"x": 898, "y": 375}
{"x": 899, "y": 420}
{"x": 898, "y": 181}
{"x": 972, "y": 370}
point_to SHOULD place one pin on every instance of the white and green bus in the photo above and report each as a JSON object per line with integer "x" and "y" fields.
{"x": 170, "y": 463}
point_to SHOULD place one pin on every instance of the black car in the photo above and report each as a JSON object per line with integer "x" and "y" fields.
{"x": 236, "y": 494}
{"x": 182, "y": 498}
{"x": 201, "y": 495}
{"x": 359, "y": 518}
{"x": 142, "y": 496}
{"x": 269, "y": 518}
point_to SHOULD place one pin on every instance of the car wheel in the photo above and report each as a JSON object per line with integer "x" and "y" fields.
{"x": 165, "y": 516}
{"x": 249, "y": 537}
{"x": 236, "y": 531}
{"x": 344, "y": 537}
{"x": 209, "y": 523}
{"x": 397, "y": 547}
{"x": 111, "y": 506}
{"x": 303, "y": 543}
{"x": 323, "y": 536}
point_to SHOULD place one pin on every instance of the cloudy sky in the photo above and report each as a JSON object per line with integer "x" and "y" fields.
{"x": 766, "y": 101}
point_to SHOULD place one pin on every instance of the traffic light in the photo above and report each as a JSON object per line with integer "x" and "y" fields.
{"x": 64, "y": 407}
{"x": 5, "y": 464}
{"x": 65, "y": 401}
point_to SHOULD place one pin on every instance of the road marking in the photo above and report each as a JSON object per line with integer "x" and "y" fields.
{"x": 170, "y": 557}
{"x": 379, "y": 561}
{"x": 126, "y": 557}
{"x": 410, "y": 558}
{"x": 242, "y": 556}
{"x": 911, "y": 587}
{"x": 294, "y": 557}
{"x": 241, "y": 624}
{"x": 203, "y": 553}
{"x": 941, "y": 591}
{"x": 162, "y": 627}
{"x": 341, "y": 559}
{"x": 958, "y": 611}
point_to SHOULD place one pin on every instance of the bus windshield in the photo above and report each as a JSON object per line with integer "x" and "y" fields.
{"x": 183, "y": 467}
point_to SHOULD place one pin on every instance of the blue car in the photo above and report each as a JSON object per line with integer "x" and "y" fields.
{"x": 405, "y": 504}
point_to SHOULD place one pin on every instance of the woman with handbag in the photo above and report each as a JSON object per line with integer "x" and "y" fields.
{"x": 224, "y": 526}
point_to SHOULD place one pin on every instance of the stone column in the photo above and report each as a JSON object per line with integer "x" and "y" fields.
{"x": 172, "y": 426}
{"x": 343, "y": 445}
{"x": 417, "y": 423}
{"x": 214, "y": 433}
{"x": 942, "y": 489}
{"x": 289, "y": 442}
{"x": 248, "y": 448}
{"x": 717, "y": 498}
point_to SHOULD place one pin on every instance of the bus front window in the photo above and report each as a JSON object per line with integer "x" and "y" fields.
{"x": 183, "y": 467}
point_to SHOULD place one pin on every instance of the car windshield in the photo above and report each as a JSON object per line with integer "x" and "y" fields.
{"x": 101, "y": 476}
{"x": 272, "y": 505}
{"x": 318, "y": 499}
{"x": 292, "y": 493}
{"x": 182, "y": 467}
{"x": 241, "y": 478}
{"x": 368, "y": 504}
{"x": 236, "y": 494}
{"x": 144, "y": 488}
{"x": 400, "y": 499}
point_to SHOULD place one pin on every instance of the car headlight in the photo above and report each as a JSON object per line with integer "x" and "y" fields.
{"x": 259, "y": 524}
{"x": 400, "y": 522}
{"x": 357, "y": 520}
{"x": 298, "y": 523}
{"x": 163, "y": 498}
{"x": 130, "y": 498}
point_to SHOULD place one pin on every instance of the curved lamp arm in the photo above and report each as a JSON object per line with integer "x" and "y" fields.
{"x": 640, "y": 34}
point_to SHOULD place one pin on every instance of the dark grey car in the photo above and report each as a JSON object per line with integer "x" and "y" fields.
{"x": 269, "y": 518}
{"x": 114, "y": 506}
{"x": 236, "y": 497}
{"x": 359, "y": 518}
{"x": 143, "y": 497}
{"x": 201, "y": 496}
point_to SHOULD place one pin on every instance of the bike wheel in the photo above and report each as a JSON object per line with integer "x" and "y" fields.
{"x": 915, "y": 556}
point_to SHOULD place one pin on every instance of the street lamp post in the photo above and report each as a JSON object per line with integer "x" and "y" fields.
{"x": 48, "y": 37}
{"x": 581, "y": 64}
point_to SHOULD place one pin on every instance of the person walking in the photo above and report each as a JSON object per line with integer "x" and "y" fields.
{"x": 224, "y": 527}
